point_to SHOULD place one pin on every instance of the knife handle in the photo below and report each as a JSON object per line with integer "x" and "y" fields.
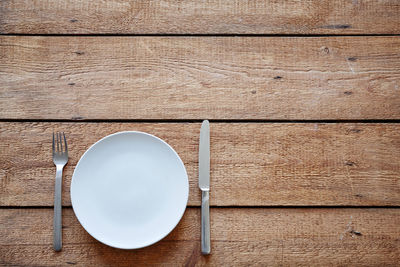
{"x": 205, "y": 222}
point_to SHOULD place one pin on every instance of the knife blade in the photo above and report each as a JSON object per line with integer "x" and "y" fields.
{"x": 204, "y": 156}
{"x": 204, "y": 184}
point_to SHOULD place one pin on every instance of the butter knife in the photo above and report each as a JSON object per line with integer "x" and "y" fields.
{"x": 204, "y": 184}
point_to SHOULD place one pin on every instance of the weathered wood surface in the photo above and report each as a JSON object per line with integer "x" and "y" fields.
{"x": 191, "y": 78}
{"x": 199, "y": 77}
{"x": 260, "y": 164}
{"x": 256, "y": 237}
{"x": 200, "y": 17}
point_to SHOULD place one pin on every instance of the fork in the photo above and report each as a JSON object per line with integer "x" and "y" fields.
{"x": 60, "y": 159}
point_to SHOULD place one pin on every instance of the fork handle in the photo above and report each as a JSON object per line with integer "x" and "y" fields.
{"x": 57, "y": 243}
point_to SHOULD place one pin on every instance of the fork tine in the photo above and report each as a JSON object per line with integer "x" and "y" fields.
{"x": 58, "y": 143}
{"x": 61, "y": 143}
{"x": 65, "y": 142}
{"x": 53, "y": 143}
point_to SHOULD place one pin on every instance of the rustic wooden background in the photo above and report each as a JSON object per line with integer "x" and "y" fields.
{"x": 304, "y": 102}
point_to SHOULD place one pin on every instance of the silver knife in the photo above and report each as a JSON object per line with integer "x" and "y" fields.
{"x": 204, "y": 184}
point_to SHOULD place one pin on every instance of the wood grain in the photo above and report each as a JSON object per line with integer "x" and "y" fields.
{"x": 260, "y": 164}
{"x": 199, "y": 77}
{"x": 257, "y": 237}
{"x": 200, "y": 17}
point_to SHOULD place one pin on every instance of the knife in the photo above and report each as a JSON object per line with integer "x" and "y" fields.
{"x": 204, "y": 184}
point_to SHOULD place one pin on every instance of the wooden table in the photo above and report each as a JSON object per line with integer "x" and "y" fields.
{"x": 303, "y": 99}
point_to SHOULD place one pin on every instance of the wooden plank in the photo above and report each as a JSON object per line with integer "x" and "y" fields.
{"x": 251, "y": 163}
{"x": 200, "y": 17}
{"x": 199, "y": 77}
{"x": 257, "y": 237}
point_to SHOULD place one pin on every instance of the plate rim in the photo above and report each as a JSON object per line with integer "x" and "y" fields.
{"x": 187, "y": 188}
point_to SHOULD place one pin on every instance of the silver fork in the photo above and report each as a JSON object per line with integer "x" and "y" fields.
{"x": 60, "y": 158}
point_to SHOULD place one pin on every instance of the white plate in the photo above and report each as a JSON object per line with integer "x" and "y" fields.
{"x": 129, "y": 190}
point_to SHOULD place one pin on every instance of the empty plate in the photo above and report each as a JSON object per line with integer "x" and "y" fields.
{"x": 129, "y": 190}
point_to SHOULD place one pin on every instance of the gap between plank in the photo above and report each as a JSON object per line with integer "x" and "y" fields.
{"x": 199, "y": 120}
{"x": 192, "y": 35}
{"x": 236, "y": 207}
